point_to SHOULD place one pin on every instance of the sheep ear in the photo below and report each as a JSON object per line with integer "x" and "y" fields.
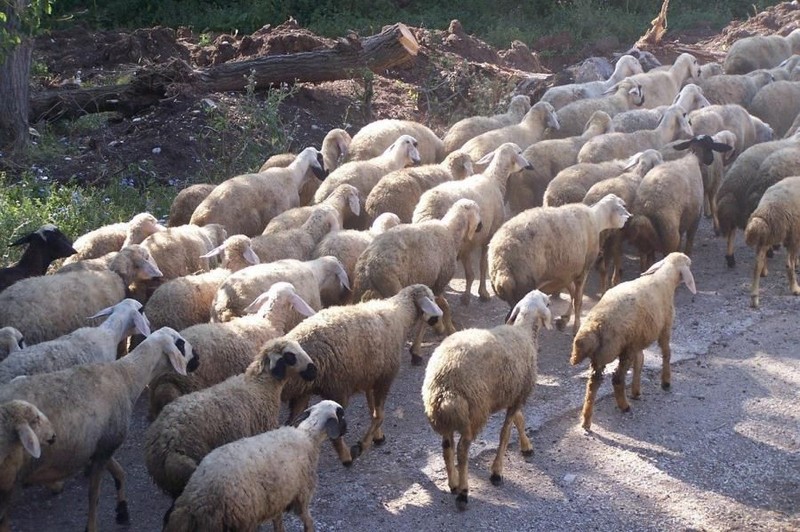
{"x": 633, "y": 161}
{"x": 355, "y": 204}
{"x": 429, "y": 307}
{"x": 250, "y": 256}
{"x": 278, "y": 369}
{"x": 142, "y": 323}
{"x": 720, "y": 147}
{"x": 105, "y": 312}
{"x": 214, "y": 252}
{"x": 486, "y": 159}
{"x": 176, "y": 358}
{"x": 390, "y": 148}
{"x": 305, "y": 414}
{"x": 683, "y": 145}
{"x": 257, "y": 303}
{"x": 332, "y": 428}
{"x": 512, "y": 316}
{"x": 655, "y": 267}
{"x": 688, "y": 278}
{"x": 150, "y": 270}
{"x": 22, "y": 240}
{"x": 342, "y": 275}
{"x": 29, "y": 440}
{"x": 301, "y": 306}
{"x": 612, "y": 89}
{"x": 546, "y": 320}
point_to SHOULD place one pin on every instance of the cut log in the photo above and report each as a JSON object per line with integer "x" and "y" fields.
{"x": 348, "y": 59}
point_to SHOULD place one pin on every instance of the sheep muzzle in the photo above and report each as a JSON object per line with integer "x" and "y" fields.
{"x": 194, "y": 363}
{"x": 310, "y": 373}
{"x": 433, "y": 320}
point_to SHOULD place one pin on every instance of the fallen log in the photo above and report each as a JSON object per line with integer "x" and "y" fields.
{"x": 348, "y": 59}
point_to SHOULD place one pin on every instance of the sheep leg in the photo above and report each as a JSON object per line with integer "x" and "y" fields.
{"x": 447, "y": 315}
{"x": 277, "y": 524}
{"x": 707, "y": 204}
{"x": 448, "y": 451}
{"x": 791, "y": 262}
{"x": 636, "y": 382}
{"x": 525, "y": 445}
{"x": 469, "y": 277}
{"x": 297, "y": 406}
{"x": 577, "y": 300}
{"x": 731, "y": 260}
{"x": 761, "y": 259}
{"x": 416, "y": 360}
{"x": 666, "y": 355}
{"x": 505, "y": 434}
{"x": 95, "y": 470}
{"x": 5, "y": 506}
{"x": 463, "y": 464}
{"x": 618, "y": 381}
{"x": 617, "y": 252}
{"x": 118, "y": 474}
{"x": 602, "y": 271}
{"x": 378, "y": 437}
{"x": 300, "y": 508}
{"x": 374, "y": 432}
{"x": 483, "y": 293}
{"x": 591, "y": 392}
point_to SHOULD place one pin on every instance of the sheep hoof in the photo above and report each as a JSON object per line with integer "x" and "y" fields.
{"x": 770, "y": 253}
{"x": 356, "y": 450}
{"x": 379, "y": 441}
{"x": 496, "y": 479}
{"x": 484, "y": 297}
{"x": 465, "y": 298}
{"x": 665, "y": 386}
{"x": 731, "y": 260}
{"x": 527, "y": 453}
{"x": 123, "y": 518}
{"x": 561, "y": 324}
{"x": 453, "y": 489}
{"x": 626, "y": 409}
{"x": 461, "y": 501}
{"x": 754, "y": 301}
{"x": 347, "y": 463}
{"x": 416, "y": 360}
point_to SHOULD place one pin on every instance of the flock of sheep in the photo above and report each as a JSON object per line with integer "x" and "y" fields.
{"x": 307, "y": 277}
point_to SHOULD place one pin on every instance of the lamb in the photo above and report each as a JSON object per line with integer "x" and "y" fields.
{"x": 777, "y": 104}
{"x": 551, "y": 248}
{"x": 45, "y": 245}
{"x": 365, "y": 174}
{"x": 231, "y": 346}
{"x": 475, "y": 373}
{"x": 195, "y": 424}
{"x": 376, "y": 137}
{"x": 252, "y": 480}
{"x": 90, "y": 409}
{"x": 735, "y": 88}
{"x": 182, "y": 250}
{"x": 669, "y": 201}
{"x": 297, "y": 243}
{"x": 572, "y": 118}
{"x": 245, "y": 204}
{"x": 749, "y": 130}
{"x": 357, "y": 348}
{"x": 344, "y": 198}
{"x": 334, "y": 151}
{"x": 186, "y": 301}
{"x": 689, "y": 98}
{"x": 572, "y": 183}
{"x": 528, "y": 131}
{"x": 110, "y": 238}
{"x": 709, "y": 70}
{"x": 311, "y": 278}
{"x": 185, "y": 203}
{"x": 526, "y": 188}
{"x": 673, "y": 126}
{"x": 760, "y": 51}
{"x": 487, "y": 190}
{"x": 83, "y": 346}
{"x": 30, "y": 305}
{"x": 11, "y": 340}
{"x": 661, "y": 86}
{"x": 399, "y": 191}
{"x": 776, "y": 221}
{"x": 628, "y": 318}
{"x": 731, "y": 198}
{"x": 424, "y": 252}
{"x": 562, "y": 95}
{"x": 23, "y": 429}
{"x": 468, "y": 128}
{"x": 348, "y": 245}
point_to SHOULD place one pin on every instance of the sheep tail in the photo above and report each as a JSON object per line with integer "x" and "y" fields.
{"x": 757, "y": 233}
{"x": 585, "y": 346}
{"x": 450, "y": 411}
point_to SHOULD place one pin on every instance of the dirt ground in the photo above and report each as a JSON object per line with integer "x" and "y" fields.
{"x": 720, "y": 451}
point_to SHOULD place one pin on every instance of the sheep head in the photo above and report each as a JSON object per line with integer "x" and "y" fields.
{"x": 459, "y": 164}
{"x": 49, "y": 238}
{"x": 180, "y": 353}
{"x": 24, "y": 423}
{"x": 424, "y": 300}
{"x": 279, "y": 355}
{"x": 532, "y": 309}
{"x": 611, "y": 212}
{"x": 679, "y": 262}
{"x": 703, "y": 146}
{"x": 325, "y": 417}
{"x": 314, "y": 160}
{"x": 280, "y": 295}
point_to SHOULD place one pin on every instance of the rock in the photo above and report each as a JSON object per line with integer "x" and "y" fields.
{"x": 569, "y": 478}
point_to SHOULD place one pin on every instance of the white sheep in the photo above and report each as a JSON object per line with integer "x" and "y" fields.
{"x": 628, "y": 318}
{"x": 348, "y": 245}
{"x": 334, "y": 151}
{"x": 229, "y": 347}
{"x": 690, "y": 98}
{"x": 357, "y": 348}
{"x": 572, "y": 118}
{"x": 735, "y": 88}
{"x": 525, "y": 189}
{"x": 709, "y": 70}
{"x": 90, "y": 408}
{"x": 86, "y": 345}
{"x": 345, "y": 198}
{"x": 609, "y": 146}
{"x": 365, "y": 174}
{"x": 186, "y": 301}
{"x": 463, "y": 130}
{"x": 252, "y": 480}
{"x": 661, "y": 86}
{"x": 245, "y": 204}
{"x": 477, "y": 372}
{"x": 376, "y": 137}
{"x": 11, "y": 340}
{"x": 562, "y": 95}
{"x": 298, "y": 242}
{"x": 44, "y": 308}
{"x": 312, "y": 279}
{"x": 114, "y": 237}
{"x": 529, "y": 130}
{"x": 193, "y": 425}
{"x": 185, "y": 203}
{"x": 424, "y": 252}
{"x": 399, "y": 191}
{"x": 487, "y": 189}
{"x": 760, "y": 51}
{"x": 777, "y": 104}
{"x": 551, "y": 248}
{"x": 776, "y": 221}
{"x": 182, "y": 250}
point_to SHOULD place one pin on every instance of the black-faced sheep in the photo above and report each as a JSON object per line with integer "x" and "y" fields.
{"x": 45, "y": 245}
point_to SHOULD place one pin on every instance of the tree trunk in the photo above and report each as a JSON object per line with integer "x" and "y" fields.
{"x": 14, "y": 86}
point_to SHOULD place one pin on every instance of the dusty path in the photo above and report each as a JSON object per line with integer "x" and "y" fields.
{"x": 721, "y": 451}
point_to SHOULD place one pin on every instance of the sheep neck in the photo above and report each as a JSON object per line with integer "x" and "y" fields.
{"x": 406, "y": 311}
{"x": 297, "y": 171}
{"x": 457, "y": 226}
{"x": 118, "y": 324}
{"x": 498, "y": 171}
{"x": 35, "y": 260}
{"x": 600, "y": 216}
{"x": 141, "y": 366}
